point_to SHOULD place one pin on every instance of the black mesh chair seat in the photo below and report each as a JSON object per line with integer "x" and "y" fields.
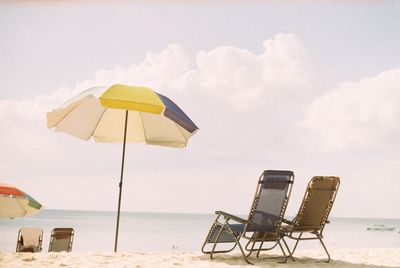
{"x": 225, "y": 236}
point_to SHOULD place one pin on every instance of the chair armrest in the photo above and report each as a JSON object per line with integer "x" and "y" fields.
{"x": 287, "y": 221}
{"x": 230, "y": 216}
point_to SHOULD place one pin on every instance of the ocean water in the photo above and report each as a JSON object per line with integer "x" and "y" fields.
{"x": 95, "y": 231}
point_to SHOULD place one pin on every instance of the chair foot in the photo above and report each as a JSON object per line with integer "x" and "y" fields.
{"x": 284, "y": 260}
{"x": 248, "y": 262}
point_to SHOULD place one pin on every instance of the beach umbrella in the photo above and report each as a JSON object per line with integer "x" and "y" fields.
{"x": 16, "y": 203}
{"x": 123, "y": 114}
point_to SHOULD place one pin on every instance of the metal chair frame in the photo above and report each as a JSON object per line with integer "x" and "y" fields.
{"x": 25, "y": 248}
{"x": 68, "y": 232}
{"x": 233, "y": 236}
{"x": 316, "y": 231}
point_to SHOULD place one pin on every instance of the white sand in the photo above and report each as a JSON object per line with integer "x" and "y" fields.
{"x": 352, "y": 258}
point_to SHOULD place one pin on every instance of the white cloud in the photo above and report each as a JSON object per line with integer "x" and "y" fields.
{"x": 362, "y": 115}
{"x": 247, "y": 106}
{"x": 157, "y": 70}
{"x": 247, "y": 79}
{"x": 286, "y": 62}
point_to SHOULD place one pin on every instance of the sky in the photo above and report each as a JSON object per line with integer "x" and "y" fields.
{"x": 308, "y": 86}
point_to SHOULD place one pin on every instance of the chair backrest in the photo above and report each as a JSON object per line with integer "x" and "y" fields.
{"x": 29, "y": 240}
{"x": 317, "y": 204}
{"x": 270, "y": 201}
{"x": 61, "y": 239}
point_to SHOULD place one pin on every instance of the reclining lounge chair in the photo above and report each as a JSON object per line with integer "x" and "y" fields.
{"x": 264, "y": 220}
{"x": 313, "y": 213}
{"x": 61, "y": 239}
{"x": 29, "y": 240}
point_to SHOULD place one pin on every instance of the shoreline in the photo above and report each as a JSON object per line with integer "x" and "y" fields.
{"x": 340, "y": 258}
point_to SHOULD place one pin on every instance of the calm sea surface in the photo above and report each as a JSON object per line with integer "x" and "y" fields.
{"x": 95, "y": 230}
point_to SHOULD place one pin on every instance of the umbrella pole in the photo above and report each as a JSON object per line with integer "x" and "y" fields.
{"x": 120, "y": 182}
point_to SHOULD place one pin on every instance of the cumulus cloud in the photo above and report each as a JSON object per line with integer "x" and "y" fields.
{"x": 361, "y": 115}
{"x": 158, "y": 70}
{"x": 255, "y": 111}
{"x": 248, "y": 79}
{"x": 229, "y": 92}
{"x": 243, "y": 78}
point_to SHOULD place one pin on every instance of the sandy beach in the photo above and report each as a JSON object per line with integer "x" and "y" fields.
{"x": 352, "y": 258}
{"x": 164, "y": 129}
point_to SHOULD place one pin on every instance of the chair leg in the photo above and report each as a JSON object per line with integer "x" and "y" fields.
{"x": 259, "y": 249}
{"x": 262, "y": 243}
{"x": 251, "y": 249}
{"x": 243, "y": 254}
{"x": 295, "y": 246}
{"x": 207, "y": 240}
{"x": 297, "y": 242}
{"x": 323, "y": 245}
{"x": 216, "y": 241}
{"x": 238, "y": 243}
{"x": 208, "y": 236}
{"x": 225, "y": 227}
{"x": 284, "y": 253}
{"x": 288, "y": 249}
{"x": 253, "y": 242}
{"x": 19, "y": 241}
{"x": 40, "y": 244}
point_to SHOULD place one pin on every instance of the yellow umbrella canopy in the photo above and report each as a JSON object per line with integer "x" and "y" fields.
{"x": 123, "y": 114}
{"x": 100, "y": 113}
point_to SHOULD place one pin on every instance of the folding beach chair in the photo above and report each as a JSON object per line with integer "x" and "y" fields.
{"x": 61, "y": 239}
{"x": 313, "y": 213}
{"x": 264, "y": 220}
{"x": 29, "y": 240}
